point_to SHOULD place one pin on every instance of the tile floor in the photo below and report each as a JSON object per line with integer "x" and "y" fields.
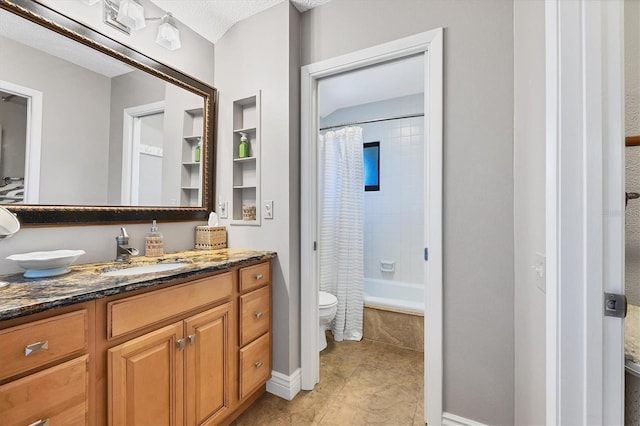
{"x": 361, "y": 383}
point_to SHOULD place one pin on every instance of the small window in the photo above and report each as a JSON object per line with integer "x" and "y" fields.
{"x": 372, "y": 166}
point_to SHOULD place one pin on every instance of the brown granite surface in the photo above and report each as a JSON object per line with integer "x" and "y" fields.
{"x": 25, "y": 296}
{"x": 395, "y": 328}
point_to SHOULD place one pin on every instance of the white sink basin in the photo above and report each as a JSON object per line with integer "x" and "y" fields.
{"x": 146, "y": 269}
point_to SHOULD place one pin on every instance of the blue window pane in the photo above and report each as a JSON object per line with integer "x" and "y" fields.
{"x": 372, "y": 166}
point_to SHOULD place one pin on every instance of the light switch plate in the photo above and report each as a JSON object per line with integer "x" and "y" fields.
{"x": 540, "y": 269}
{"x": 222, "y": 207}
{"x": 268, "y": 209}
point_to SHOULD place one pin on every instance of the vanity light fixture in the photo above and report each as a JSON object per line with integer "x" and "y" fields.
{"x": 128, "y": 15}
{"x": 168, "y": 34}
{"x": 90, "y": 2}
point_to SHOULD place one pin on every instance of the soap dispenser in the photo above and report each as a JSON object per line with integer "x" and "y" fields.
{"x": 154, "y": 245}
{"x": 243, "y": 148}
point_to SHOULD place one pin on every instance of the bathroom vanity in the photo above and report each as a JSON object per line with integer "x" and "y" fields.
{"x": 186, "y": 346}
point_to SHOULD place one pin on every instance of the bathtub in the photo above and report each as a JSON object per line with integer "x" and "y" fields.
{"x": 394, "y": 295}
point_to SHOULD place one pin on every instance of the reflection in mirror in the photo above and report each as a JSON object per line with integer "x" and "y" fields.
{"x": 87, "y": 126}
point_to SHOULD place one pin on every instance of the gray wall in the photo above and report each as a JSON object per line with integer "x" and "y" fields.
{"x": 13, "y": 121}
{"x": 529, "y": 210}
{"x": 128, "y": 90}
{"x": 71, "y": 169}
{"x": 404, "y": 105}
{"x": 260, "y": 53}
{"x": 196, "y": 57}
{"x": 478, "y": 178}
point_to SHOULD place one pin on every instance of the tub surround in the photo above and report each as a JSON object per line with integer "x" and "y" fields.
{"x": 395, "y": 328}
{"x": 632, "y": 334}
{"x": 24, "y": 296}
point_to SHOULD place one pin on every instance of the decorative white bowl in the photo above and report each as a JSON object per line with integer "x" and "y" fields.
{"x": 41, "y": 264}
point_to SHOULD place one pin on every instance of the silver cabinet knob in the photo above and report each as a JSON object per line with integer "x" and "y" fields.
{"x": 36, "y": 347}
{"x": 41, "y": 422}
{"x": 259, "y": 314}
{"x": 258, "y": 364}
{"x": 192, "y": 339}
{"x": 180, "y": 344}
{"x": 258, "y": 277}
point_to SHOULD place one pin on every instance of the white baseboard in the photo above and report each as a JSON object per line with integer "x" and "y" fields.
{"x": 449, "y": 419}
{"x": 284, "y": 386}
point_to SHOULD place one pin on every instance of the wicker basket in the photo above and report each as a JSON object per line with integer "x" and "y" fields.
{"x": 211, "y": 237}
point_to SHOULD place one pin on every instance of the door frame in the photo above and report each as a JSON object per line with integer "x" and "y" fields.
{"x": 430, "y": 44}
{"x": 128, "y": 141}
{"x": 33, "y": 139}
{"x": 584, "y": 210}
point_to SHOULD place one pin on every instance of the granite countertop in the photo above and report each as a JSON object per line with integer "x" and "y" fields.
{"x": 25, "y": 296}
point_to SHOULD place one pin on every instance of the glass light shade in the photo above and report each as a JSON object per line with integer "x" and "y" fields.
{"x": 90, "y": 2}
{"x": 131, "y": 14}
{"x": 168, "y": 36}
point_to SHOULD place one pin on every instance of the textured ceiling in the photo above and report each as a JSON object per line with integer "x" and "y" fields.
{"x": 212, "y": 18}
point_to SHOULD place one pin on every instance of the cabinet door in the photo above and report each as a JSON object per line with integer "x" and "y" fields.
{"x": 146, "y": 379}
{"x": 208, "y": 368}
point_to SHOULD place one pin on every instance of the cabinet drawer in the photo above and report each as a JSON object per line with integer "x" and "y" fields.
{"x": 58, "y": 394}
{"x": 255, "y": 276}
{"x": 255, "y": 311}
{"x": 32, "y": 345}
{"x": 255, "y": 365}
{"x": 134, "y": 313}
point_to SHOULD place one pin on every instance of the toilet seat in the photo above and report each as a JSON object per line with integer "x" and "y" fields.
{"x": 327, "y": 300}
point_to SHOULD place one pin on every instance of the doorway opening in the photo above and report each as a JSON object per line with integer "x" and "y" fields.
{"x": 428, "y": 47}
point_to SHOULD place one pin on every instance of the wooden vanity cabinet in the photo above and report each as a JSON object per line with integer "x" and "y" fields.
{"x": 190, "y": 366}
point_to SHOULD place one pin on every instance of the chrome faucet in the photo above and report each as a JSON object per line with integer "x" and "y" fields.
{"x": 124, "y": 250}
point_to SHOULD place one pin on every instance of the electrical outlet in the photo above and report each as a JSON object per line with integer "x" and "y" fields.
{"x": 268, "y": 209}
{"x": 222, "y": 209}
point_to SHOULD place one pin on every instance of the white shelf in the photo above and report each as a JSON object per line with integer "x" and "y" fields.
{"x": 191, "y": 173}
{"x": 193, "y": 139}
{"x": 246, "y": 130}
{"x": 191, "y": 163}
{"x": 246, "y": 170}
{"x": 191, "y": 188}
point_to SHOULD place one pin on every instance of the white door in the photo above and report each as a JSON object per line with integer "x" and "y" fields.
{"x": 142, "y": 152}
{"x": 585, "y": 210}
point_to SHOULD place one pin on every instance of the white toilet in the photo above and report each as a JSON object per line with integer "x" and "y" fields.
{"x": 328, "y": 305}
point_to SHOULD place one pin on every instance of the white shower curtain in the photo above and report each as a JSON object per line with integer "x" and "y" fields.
{"x": 341, "y": 245}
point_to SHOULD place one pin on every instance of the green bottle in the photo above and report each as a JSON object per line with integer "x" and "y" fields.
{"x": 197, "y": 153}
{"x": 243, "y": 148}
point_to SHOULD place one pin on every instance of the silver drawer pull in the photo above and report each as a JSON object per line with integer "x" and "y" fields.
{"x": 259, "y": 314}
{"x": 180, "y": 344}
{"x": 41, "y": 422}
{"x": 258, "y": 277}
{"x": 36, "y": 347}
{"x": 258, "y": 364}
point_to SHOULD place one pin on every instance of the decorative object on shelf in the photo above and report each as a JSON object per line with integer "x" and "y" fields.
{"x": 41, "y": 264}
{"x": 248, "y": 212}
{"x": 243, "y": 148}
{"x": 9, "y": 223}
{"x": 128, "y": 15}
{"x": 211, "y": 237}
{"x": 197, "y": 155}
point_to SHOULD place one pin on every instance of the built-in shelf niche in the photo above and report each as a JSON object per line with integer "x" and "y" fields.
{"x": 246, "y": 171}
{"x": 191, "y": 170}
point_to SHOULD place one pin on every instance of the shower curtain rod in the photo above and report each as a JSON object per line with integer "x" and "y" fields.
{"x": 373, "y": 121}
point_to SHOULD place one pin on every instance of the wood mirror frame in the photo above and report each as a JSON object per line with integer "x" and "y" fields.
{"x": 34, "y": 215}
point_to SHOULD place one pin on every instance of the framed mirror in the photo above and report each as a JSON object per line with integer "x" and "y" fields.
{"x": 93, "y": 131}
